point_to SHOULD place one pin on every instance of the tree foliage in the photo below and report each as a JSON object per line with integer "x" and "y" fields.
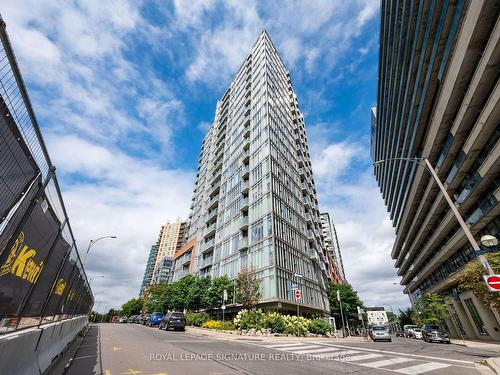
{"x": 405, "y": 316}
{"x": 215, "y": 291}
{"x": 247, "y": 288}
{"x": 350, "y": 301}
{"x": 472, "y": 279}
{"x": 431, "y": 309}
{"x": 132, "y": 307}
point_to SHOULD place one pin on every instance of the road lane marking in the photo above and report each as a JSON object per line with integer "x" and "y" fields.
{"x": 424, "y": 367}
{"x": 317, "y": 350}
{"x": 107, "y": 372}
{"x": 132, "y": 372}
{"x": 116, "y": 349}
{"x": 362, "y": 357}
{"x": 400, "y": 353}
{"x": 284, "y": 346}
{"x": 387, "y": 362}
{"x": 303, "y": 347}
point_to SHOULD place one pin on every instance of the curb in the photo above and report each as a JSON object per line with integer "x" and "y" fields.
{"x": 494, "y": 364}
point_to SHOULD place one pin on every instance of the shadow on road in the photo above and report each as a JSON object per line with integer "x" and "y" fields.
{"x": 86, "y": 360}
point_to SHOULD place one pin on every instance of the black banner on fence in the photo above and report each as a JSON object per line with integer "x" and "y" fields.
{"x": 43, "y": 286}
{"x": 17, "y": 167}
{"x": 14, "y": 221}
{"x": 60, "y": 292}
{"x": 22, "y": 264}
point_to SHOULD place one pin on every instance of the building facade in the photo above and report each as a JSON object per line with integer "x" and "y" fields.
{"x": 150, "y": 267}
{"x": 254, "y": 204}
{"x": 332, "y": 247}
{"x": 164, "y": 271}
{"x": 376, "y": 315}
{"x": 438, "y": 98}
{"x": 170, "y": 240}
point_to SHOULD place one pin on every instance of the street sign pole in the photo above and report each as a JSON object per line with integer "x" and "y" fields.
{"x": 341, "y": 314}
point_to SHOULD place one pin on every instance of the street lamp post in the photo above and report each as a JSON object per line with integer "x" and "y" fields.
{"x": 427, "y": 165}
{"x": 92, "y": 243}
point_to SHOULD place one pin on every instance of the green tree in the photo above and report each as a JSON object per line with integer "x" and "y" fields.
{"x": 392, "y": 317}
{"x": 214, "y": 294}
{"x": 132, "y": 307}
{"x": 350, "y": 301}
{"x": 178, "y": 293}
{"x": 430, "y": 310}
{"x": 472, "y": 279}
{"x": 155, "y": 298}
{"x": 196, "y": 292}
{"x": 247, "y": 288}
{"x": 405, "y": 316}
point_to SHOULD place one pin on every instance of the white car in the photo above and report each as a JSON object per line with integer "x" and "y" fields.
{"x": 417, "y": 334}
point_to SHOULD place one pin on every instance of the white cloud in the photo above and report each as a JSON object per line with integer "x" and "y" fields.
{"x": 348, "y": 191}
{"x": 115, "y": 194}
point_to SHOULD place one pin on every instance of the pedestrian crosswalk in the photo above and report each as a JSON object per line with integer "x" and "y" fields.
{"x": 393, "y": 362}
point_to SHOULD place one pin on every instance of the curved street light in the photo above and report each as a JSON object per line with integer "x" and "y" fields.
{"x": 425, "y": 163}
{"x": 92, "y": 243}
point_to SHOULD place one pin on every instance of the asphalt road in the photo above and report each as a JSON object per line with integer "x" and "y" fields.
{"x": 119, "y": 349}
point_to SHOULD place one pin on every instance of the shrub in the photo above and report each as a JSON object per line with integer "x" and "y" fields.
{"x": 294, "y": 324}
{"x": 218, "y": 325}
{"x": 196, "y": 318}
{"x": 247, "y": 319}
{"x": 319, "y": 326}
{"x": 274, "y": 321}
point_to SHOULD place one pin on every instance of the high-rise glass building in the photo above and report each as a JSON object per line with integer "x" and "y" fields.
{"x": 332, "y": 248}
{"x": 254, "y": 204}
{"x": 150, "y": 267}
{"x": 439, "y": 98}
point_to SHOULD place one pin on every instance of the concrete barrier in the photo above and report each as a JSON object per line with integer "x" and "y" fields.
{"x": 31, "y": 351}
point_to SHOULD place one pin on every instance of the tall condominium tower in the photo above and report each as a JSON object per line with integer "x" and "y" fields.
{"x": 170, "y": 240}
{"x": 150, "y": 267}
{"x": 439, "y": 99}
{"x": 254, "y": 203}
{"x": 333, "y": 248}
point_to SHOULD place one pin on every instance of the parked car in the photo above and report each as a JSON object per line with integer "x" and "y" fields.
{"x": 155, "y": 319}
{"x": 399, "y": 334}
{"x": 408, "y": 329}
{"x": 434, "y": 333}
{"x": 416, "y": 334}
{"x": 143, "y": 319}
{"x": 122, "y": 319}
{"x": 379, "y": 332}
{"x": 131, "y": 318}
{"x": 175, "y": 320}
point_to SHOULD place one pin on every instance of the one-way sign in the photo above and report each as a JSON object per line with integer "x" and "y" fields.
{"x": 492, "y": 282}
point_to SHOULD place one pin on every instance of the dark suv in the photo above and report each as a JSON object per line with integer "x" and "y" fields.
{"x": 434, "y": 333}
{"x": 175, "y": 320}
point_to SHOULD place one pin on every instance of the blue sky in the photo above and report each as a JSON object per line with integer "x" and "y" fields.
{"x": 125, "y": 90}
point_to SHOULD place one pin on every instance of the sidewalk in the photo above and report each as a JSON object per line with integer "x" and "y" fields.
{"x": 271, "y": 339}
{"x": 483, "y": 345}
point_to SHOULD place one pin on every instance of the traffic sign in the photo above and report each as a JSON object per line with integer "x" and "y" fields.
{"x": 223, "y": 307}
{"x": 298, "y": 294}
{"x": 294, "y": 286}
{"x": 492, "y": 282}
{"x": 225, "y": 295}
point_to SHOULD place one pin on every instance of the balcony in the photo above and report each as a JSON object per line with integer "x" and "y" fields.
{"x": 211, "y": 216}
{"x": 310, "y": 235}
{"x": 210, "y": 230}
{"x": 307, "y": 201}
{"x": 308, "y": 217}
{"x": 245, "y": 171}
{"x": 245, "y": 157}
{"x": 207, "y": 261}
{"x": 303, "y": 186}
{"x": 243, "y": 222}
{"x": 302, "y": 171}
{"x": 214, "y": 188}
{"x": 217, "y": 175}
{"x": 245, "y": 186}
{"x": 208, "y": 245}
{"x": 244, "y": 204}
{"x": 243, "y": 243}
{"x": 185, "y": 259}
{"x": 214, "y": 202}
